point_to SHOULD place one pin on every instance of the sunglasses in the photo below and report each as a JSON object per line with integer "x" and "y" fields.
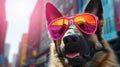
{"x": 85, "y": 22}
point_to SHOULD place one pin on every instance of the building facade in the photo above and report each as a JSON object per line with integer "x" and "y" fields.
{"x": 34, "y": 34}
{"x": 3, "y": 29}
{"x": 110, "y": 32}
{"x": 14, "y": 60}
{"x": 37, "y": 36}
{"x": 21, "y": 58}
{"x": 3, "y": 25}
{"x": 6, "y": 53}
{"x": 6, "y": 50}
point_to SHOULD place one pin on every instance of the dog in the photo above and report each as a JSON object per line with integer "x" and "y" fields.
{"x": 73, "y": 47}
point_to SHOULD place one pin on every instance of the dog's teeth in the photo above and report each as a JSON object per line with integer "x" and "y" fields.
{"x": 72, "y": 55}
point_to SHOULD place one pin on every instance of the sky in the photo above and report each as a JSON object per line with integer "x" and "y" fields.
{"x": 18, "y": 13}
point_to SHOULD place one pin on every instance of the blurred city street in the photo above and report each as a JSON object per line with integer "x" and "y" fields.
{"x": 24, "y": 39}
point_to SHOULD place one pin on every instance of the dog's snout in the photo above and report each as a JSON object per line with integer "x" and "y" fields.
{"x": 70, "y": 39}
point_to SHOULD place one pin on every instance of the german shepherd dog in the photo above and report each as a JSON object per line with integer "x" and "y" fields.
{"x": 74, "y": 47}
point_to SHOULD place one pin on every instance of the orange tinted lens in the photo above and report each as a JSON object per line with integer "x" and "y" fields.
{"x": 58, "y": 27}
{"x": 60, "y": 22}
{"x": 86, "y": 22}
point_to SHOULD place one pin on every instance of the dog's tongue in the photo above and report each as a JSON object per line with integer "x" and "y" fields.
{"x": 72, "y": 55}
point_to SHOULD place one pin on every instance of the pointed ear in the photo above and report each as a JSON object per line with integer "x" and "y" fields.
{"x": 95, "y": 7}
{"x": 52, "y": 12}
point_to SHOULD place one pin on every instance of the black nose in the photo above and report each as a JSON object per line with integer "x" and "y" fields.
{"x": 70, "y": 39}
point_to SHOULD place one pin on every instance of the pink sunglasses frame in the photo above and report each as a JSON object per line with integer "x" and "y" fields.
{"x": 74, "y": 16}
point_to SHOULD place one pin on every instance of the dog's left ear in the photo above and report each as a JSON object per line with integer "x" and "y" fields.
{"x": 95, "y": 7}
{"x": 52, "y": 12}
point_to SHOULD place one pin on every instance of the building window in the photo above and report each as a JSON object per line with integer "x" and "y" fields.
{"x": 70, "y": 1}
{"x": 56, "y": 1}
{"x": 72, "y": 11}
{"x": 67, "y": 4}
{"x": 108, "y": 26}
{"x": 61, "y": 8}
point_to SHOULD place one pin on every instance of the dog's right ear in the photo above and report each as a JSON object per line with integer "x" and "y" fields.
{"x": 95, "y": 7}
{"x": 52, "y": 12}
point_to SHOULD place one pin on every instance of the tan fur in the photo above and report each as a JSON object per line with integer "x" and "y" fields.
{"x": 54, "y": 60}
{"x": 101, "y": 24}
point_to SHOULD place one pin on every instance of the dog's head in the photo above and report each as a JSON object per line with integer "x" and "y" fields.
{"x": 75, "y": 46}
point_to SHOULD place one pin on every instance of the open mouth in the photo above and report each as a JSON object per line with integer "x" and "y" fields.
{"x": 72, "y": 55}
